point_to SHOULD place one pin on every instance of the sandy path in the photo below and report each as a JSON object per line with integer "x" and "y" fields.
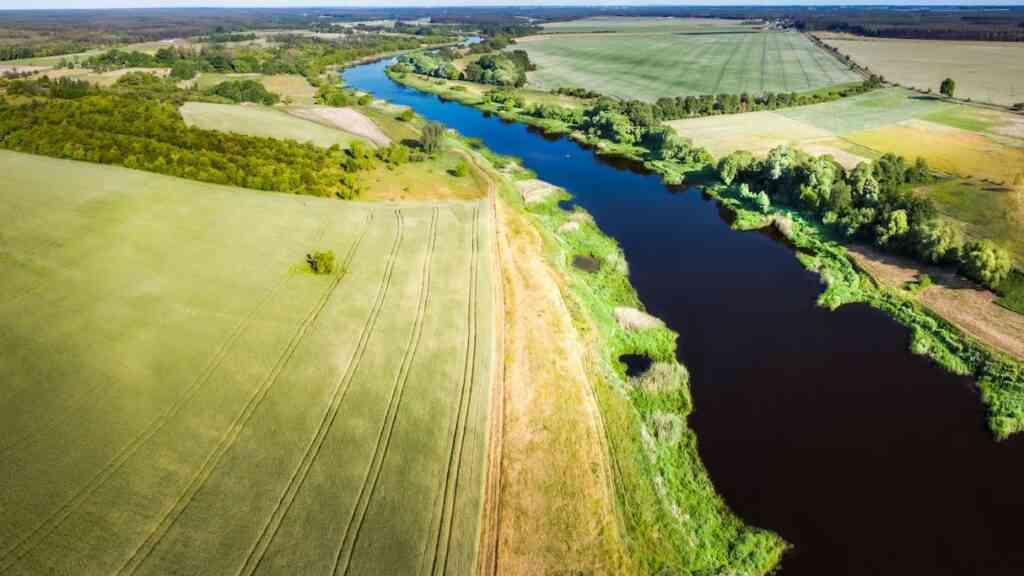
{"x": 959, "y": 301}
{"x": 346, "y": 119}
{"x": 555, "y": 509}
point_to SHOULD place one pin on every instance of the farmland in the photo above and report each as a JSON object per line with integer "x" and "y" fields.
{"x": 229, "y": 411}
{"x": 292, "y": 87}
{"x": 650, "y": 65}
{"x": 983, "y": 71}
{"x": 262, "y": 121}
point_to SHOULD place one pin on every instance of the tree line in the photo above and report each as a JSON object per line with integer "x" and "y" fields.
{"x": 498, "y": 69}
{"x": 111, "y": 128}
{"x": 873, "y": 202}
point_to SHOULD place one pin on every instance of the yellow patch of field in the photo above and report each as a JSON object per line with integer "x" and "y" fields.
{"x": 100, "y": 78}
{"x": 985, "y": 71}
{"x": 290, "y": 86}
{"x": 425, "y": 181}
{"x": 946, "y": 148}
{"x": 759, "y": 132}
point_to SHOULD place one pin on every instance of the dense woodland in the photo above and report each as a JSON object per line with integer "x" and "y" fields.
{"x": 137, "y": 124}
{"x": 873, "y": 203}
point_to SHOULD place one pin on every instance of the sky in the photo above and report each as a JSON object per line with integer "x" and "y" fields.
{"x": 49, "y": 4}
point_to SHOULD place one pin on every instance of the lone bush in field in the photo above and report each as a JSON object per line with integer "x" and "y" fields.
{"x": 948, "y": 87}
{"x": 321, "y": 262}
{"x": 406, "y": 115}
{"x": 986, "y": 263}
{"x": 461, "y": 170}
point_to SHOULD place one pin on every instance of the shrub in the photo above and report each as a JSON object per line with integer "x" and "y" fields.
{"x": 406, "y": 115}
{"x": 433, "y": 137}
{"x": 321, "y": 262}
{"x": 461, "y": 170}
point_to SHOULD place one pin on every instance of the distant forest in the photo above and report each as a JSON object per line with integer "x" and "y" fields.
{"x": 29, "y": 33}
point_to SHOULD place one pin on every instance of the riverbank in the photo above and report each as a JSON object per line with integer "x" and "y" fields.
{"x": 1000, "y": 378}
{"x": 668, "y": 513}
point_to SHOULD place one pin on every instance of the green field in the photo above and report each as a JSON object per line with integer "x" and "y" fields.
{"x": 179, "y": 395}
{"x": 263, "y": 121}
{"x": 640, "y": 25}
{"x": 875, "y": 109}
{"x": 651, "y": 65}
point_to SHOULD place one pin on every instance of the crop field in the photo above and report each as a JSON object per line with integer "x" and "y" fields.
{"x": 983, "y": 71}
{"x": 179, "y": 395}
{"x": 642, "y": 25}
{"x": 263, "y": 121}
{"x": 651, "y": 65}
{"x": 953, "y": 138}
{"x": 291, "y": 86}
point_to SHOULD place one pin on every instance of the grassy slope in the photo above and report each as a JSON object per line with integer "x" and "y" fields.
{"x": 262, "y": 121}
{"x": 654, "y": 65}
{"x": 219, "y": 392}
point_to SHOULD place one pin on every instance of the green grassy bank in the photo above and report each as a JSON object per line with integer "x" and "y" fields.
{"x": 675, "y": 522}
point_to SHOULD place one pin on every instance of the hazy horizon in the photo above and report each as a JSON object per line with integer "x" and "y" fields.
{"x": 127, "y": 4}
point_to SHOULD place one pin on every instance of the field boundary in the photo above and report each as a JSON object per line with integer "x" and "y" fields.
{"x": 344, "y": 554}
{"x": 186, "y": 498}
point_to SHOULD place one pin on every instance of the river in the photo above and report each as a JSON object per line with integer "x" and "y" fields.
{"x": 818, "y": 425}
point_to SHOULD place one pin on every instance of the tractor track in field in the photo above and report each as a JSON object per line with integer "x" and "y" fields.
{"x": 343, "y": 558}
{"x": 725, "y": 66}
{"x": 259, "y": 549}
{"x": 782, "y": 62}
{"x": 83, "y": 396}
{"x": 442, "y": 544}
{"x": 22, "y": 547}
{"x": 764, "y": 63}
{"x": 234, "y": 431}
{"x": 807, "y": 78}
{"x": 814, "y": 56}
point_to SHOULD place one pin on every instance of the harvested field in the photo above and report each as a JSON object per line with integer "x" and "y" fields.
{"x": 964, "y": 304}
{"x": 347, "y": 119}
{"x": 983, "y": 71}
{"x": 651, "y": 65}
{"x": 230, "y": 412}
{"x": 262, "y": 121}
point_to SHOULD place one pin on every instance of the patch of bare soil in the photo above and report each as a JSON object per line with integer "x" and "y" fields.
{"x": 959, "y": 301}
{"x": 632, "y": 319}
{"x": 556, "y": 509}
{"x": 345, "y": 119}
{"x": 534, "y": 191}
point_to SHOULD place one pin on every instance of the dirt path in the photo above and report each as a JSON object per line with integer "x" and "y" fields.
{"x": 962, "y": 303}
{"x": 549, "y": 508}
{"x": 345, "y": 119}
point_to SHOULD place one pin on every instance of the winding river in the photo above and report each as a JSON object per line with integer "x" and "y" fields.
{"x": 819, "y": 425}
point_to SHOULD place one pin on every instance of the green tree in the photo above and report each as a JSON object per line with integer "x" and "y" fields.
{"x": 948, "y": 87}
{"x": 780, "y": 160}
{"x": 937, "y": 241}
{"x": 321, "y": 262}
{"x": 986, "y": 262}
{"x": 406, "y": 115}
{"x": 432, "y": 139}
{"x": 733, "y": 165}
{"x": 893, "y": 226}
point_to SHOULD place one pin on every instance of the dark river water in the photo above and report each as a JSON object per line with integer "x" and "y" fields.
{"x": 819, "y": 425}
